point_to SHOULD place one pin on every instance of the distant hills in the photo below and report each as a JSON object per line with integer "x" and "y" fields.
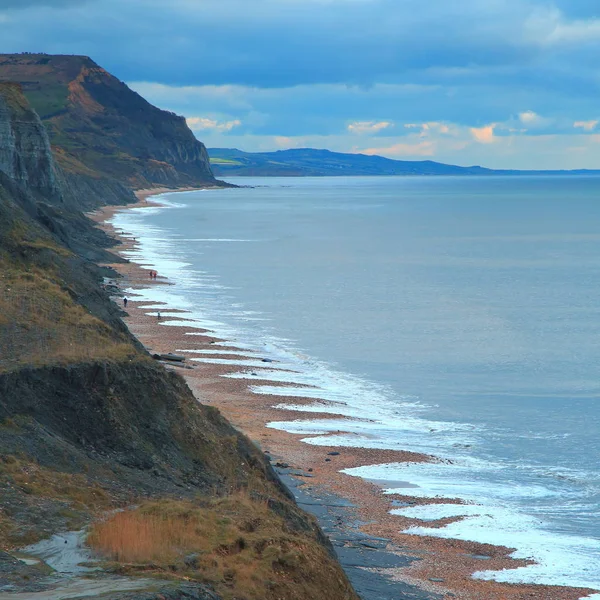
{"x": 311, "y": 162}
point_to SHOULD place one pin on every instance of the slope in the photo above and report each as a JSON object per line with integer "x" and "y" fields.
{"x": 105, "y": 137}
{"x": 90, "y": 423}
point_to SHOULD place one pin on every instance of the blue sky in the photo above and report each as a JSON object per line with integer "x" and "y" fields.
{"x": 501, "y": 83}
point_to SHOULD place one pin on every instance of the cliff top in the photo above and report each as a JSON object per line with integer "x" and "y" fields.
{"x": 99, "y": 127}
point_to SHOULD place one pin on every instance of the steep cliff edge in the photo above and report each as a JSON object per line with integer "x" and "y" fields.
{"x": 24, "y": 146}
{"x": 105, "y": 137}
{"x": 90, "y": 423}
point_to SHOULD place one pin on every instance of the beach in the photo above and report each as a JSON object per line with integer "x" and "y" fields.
{"x": 444, "y": 566}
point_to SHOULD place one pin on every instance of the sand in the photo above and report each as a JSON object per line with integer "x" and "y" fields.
{"x": 452, "y": 561}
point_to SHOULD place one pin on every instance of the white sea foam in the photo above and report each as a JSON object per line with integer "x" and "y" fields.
{"x": 325, "y": 406}
{"x": 493, "y": 516}
{"x": 560, "y": 559}
{"x": 246, "y": 353}
{"x": 331, "y": 396}
{"x": 213, "y": 240}
{"x": 226, "y": 361}
{"x": 275, "y": 376}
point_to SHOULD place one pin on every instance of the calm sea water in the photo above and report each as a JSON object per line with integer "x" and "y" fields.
{"x": 453, "y": 316}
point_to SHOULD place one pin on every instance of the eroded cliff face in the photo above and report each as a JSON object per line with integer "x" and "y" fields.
{"x": 101, "y": 131}
{"x": 89, "y": 423}
{"x": 25, "y": 154}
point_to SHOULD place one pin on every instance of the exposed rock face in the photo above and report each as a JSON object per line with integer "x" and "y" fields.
{"x": 25, "y": 154}
{"x": 40, "y": 187}
{"x": 105, "y": 137}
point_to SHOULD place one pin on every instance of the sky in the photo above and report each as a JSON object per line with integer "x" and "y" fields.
{"x": 498, "y": 83}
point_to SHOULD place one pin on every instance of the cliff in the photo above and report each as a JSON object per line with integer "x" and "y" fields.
{"x": 106, "y": 139}
{"x": 89, "y": 423}
{"x": 24, "y": 146}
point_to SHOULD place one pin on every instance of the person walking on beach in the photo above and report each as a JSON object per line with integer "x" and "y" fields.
{"x": 158, "y": 316}
{"x": 125, "y": 302}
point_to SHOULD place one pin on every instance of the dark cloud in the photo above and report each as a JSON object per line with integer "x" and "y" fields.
{"x": 272, "y": 44}
{"x": 313, "y": 66}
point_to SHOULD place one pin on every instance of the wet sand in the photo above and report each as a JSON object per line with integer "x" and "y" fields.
{"x": 446, "y": 565}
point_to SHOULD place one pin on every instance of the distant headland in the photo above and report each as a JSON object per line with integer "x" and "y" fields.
{"x": 311, "y": 162}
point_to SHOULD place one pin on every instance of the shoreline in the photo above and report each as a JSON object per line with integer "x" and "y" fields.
{"x": 445, "y": 565}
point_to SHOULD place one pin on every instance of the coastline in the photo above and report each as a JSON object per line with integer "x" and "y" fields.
{"x": 445, "y": 565}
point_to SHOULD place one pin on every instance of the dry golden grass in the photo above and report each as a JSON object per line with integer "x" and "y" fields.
{"x": 41, "y": 324}
{"x": 134, "y": 538}
{"x": 6, "y": 531}
{"x": 237, "y": 544}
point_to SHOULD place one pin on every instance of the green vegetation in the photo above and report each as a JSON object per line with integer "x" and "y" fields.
{"x": 48, "y": 100}
{"x": 40, "y": 323}
{"x": 224, "y": 161}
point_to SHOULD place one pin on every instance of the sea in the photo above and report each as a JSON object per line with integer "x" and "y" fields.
{"x": 452, "y": 316}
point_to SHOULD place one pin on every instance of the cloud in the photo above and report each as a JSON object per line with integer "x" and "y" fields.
{"x": 334, "y": 41}
{"x": 528, "y": 117}
{"x": 422, "y": 148}
{"x": 203, "y": 123}
{"x": 426, "y": 128}
{"x": 282, "y": 141}
{"x": 361, "y": 127}
{"x": 586, "y": 125}
{"x": 484, "y": 135}
{"x": 550, "y": 26}
{"x": 304, "y": 70}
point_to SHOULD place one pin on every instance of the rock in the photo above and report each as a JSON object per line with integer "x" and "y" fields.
{"x": 179, "y": 591}
{"x": 191, "y": 560}
{"x": 370, "y": 545}
{"x": 25, "y": 153}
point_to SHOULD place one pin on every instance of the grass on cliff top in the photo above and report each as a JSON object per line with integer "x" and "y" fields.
{"x": 41, "y": 324}
{"x": 47, "y": 100}
{"x": 225, "y": 162}
{"x": 34, "y": 483}
{"x": 236, "y": 544}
